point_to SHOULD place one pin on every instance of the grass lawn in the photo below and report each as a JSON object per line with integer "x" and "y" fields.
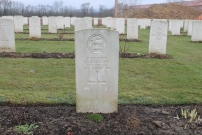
{"x": 141, "y": 81}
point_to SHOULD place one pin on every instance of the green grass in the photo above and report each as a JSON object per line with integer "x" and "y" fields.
{"x": 141, "y": 81}
{"x": 95, "y": 117}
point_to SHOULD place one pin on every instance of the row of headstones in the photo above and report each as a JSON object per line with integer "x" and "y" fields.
{"x": 7, "y": 40}
{"x": 97, "y": 63}
{"x": 193, "y": 28}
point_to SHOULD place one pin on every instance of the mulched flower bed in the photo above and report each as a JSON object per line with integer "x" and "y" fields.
{"x": 129, "y": 120}
{"x": 70, "y": 39}
{"x": 72, "y": 55}
{"x": 46, "y": 33}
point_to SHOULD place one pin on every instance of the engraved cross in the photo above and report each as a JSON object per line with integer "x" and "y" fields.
{"x": 97, "y": 82}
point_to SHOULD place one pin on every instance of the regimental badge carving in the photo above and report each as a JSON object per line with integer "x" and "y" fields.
{"x": 97, "y": 44}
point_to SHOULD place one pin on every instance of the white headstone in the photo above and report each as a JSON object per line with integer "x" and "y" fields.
{"x": 197, "y": 31}
{"x": 83, "y": 24}
{"x": 176, "y": 27}
{"x": 170, "y": 25}
{"x": 181, "y": 23}
{"x": 60, "y": 22}
{"x": 34, "y": 27}
{"x": 52, "y": 25}
{"x": 113, "y": 24}
{"x": 190, "y": 26}
{"x": 7, "y": 17}
{"x": 97, "y": 65}
{"x": 186, "y": 24}
{"x": 18, "y": 23}
{"x": 158, "y": 37}
{"x": 120, "y": 25}
{"x": 45, "y": 20}
{"x": 143, "y": 23}
{"x": 108, "y": 22}
{"x": 7, "y": 37}
{"x": 25, "y": 21}
{"x": 73, "y": 20}
{"x": 67, "y": 22}
{"x": 95, "y": 21}
{"x": 132, "y": 28}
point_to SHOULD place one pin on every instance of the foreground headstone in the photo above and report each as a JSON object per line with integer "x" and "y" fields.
{"x": 176, "y": 25}
{"x": 120, "y": 25}
{"x": 7, "y": 37}
{"x": 18, "y": 23}
{"x": 197, "y": 31}
{"x": 45, "y": 20}
{"x": 158, "y": 37}
{"x": 67, "y": 22}
{"x": 132, "y": 28}
{"x": 97, "y": 65}
{"x": 34, "y": 27}
{"x": 52, "y": 26}
{"x": 83, "y": 24}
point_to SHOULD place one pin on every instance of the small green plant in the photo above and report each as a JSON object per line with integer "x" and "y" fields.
{"x": 95, "y": 117}
{"x": 26, "y": 129}
{"x": 192, "y": 116}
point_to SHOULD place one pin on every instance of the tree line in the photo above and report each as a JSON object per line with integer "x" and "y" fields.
{"x": 9, "y": 7}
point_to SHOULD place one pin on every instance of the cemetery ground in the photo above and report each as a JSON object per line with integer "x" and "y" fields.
{"x": 151, "y": 91}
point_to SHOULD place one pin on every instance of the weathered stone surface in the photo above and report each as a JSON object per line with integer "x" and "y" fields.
{"x": 67, "y": 22}
{"x": 158, "y": 37}
{"x": 176, "y": 27}
{"x": 8, "y": 17}
{"x": 34, "y": 27}
{"x": 7, "y": 37}
{"x": 108, "y": 22}
{"x": 113, "y": 24}
{"x": 18, "y": 23}
{"x": 25, "y": 21}
{"x": 45, "y": 20}
{"x": 186, "y": 24}
{"x": 97, "y": 62}
{"x": 190, "y": 27}
{"x": 120, "y": 25}
{"x": 132, "y": 28}
{"x": 197, "y": 31}
{"x": 95, "y": 21}
{"x": 73, "y": 20}
{"x": 52, "y": 24}
{"x": 60, "y": 22}
{"x": 83, "y": 24}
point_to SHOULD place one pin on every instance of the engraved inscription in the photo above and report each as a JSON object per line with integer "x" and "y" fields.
{"x": 158, "y": 36}
{"x": 97, "y": 44}
{"x": 4, "y": 32}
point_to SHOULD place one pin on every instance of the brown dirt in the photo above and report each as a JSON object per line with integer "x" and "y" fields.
{"x": 72, "y": 55}
{"x": 163, "y": 11}
{"x": 130, "y": 120}
{"x": 70, "y": 39}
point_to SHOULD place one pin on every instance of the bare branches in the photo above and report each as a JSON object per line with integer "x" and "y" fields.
{"x": 85, "y": 8}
